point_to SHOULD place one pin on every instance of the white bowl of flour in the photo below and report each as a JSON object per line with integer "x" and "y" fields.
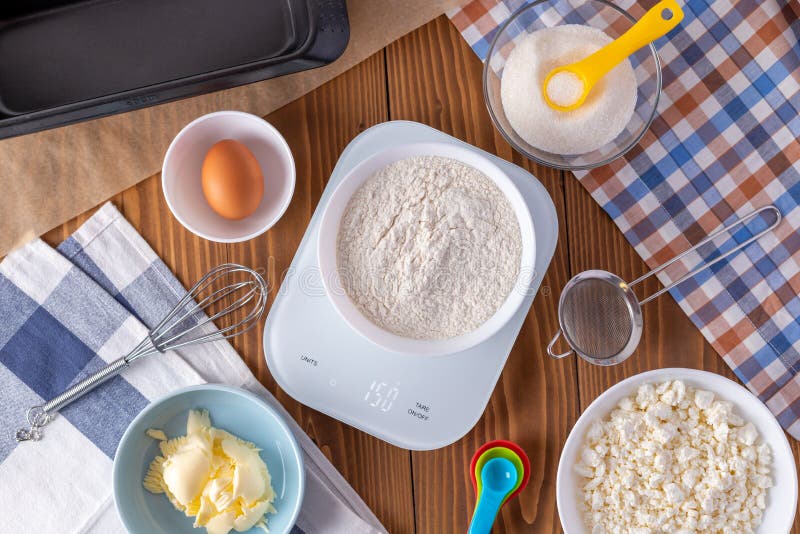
{"x": 426, "y": 249}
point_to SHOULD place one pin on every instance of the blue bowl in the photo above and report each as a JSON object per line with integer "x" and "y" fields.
{"x": 235, "y": 410}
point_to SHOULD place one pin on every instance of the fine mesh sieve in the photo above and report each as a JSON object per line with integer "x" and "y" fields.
{"x": 601, "y": 317}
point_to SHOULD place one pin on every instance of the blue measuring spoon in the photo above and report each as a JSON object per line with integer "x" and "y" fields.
{"x": 498, "y": 478}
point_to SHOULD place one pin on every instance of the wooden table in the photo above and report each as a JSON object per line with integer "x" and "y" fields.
{"x": 431, "y": 76}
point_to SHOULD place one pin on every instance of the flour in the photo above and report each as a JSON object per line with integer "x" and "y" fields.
{"x": 605, "y": 113}
{"x": 428, "y": 248}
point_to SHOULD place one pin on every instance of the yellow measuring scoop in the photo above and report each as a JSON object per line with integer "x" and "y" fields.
{"x": 566, "y": 88}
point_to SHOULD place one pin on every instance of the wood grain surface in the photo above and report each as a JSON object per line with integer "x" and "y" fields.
{"x": 431, "y": 76}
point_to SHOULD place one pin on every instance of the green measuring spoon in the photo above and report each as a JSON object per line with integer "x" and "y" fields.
{"x": 500, "y": 452}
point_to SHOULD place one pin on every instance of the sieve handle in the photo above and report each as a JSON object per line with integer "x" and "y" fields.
{"x": 552, "y": 344}
{"x": 703, "y": 266}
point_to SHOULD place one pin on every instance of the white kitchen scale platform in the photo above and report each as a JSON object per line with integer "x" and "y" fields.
{"x": 414, "y": 402}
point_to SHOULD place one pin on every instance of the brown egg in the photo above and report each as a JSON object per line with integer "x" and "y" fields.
{"x": 232, "y": 180}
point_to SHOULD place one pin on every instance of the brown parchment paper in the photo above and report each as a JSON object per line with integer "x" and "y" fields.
{"x": 49, "y": 177}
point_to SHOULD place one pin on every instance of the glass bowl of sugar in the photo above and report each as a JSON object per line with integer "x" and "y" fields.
{"x": 547, "y": 34}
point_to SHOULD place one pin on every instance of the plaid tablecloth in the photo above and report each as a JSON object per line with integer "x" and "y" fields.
{"x": 67, "y": 313}
{"x": 725, "y": 142}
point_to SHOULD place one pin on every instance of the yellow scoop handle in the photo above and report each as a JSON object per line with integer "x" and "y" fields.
{"x": 659, "y": 20}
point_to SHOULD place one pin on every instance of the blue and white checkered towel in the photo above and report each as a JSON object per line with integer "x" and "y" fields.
{"x": 66, "y": 313}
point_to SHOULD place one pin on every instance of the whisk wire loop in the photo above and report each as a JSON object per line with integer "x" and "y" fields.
{"x": 221, "y": 295}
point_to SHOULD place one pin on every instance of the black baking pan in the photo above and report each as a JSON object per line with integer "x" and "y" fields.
{"x": 63, "y": 62}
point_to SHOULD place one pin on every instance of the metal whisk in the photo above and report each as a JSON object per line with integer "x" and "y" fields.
{"x": 230, "y": 293}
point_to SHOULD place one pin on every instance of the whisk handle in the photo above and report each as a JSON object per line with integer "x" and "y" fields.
{"x": 552, "y": 344}
{"x": 38, "y": 416}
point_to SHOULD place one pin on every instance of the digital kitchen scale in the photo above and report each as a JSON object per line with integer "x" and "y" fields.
{"x": 414, "y": 402}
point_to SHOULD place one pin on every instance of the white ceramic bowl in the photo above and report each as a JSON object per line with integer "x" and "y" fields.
{"x": 782, "y": 498}
{"x": 181, "y": 175}
{"x": 329, "y": 231}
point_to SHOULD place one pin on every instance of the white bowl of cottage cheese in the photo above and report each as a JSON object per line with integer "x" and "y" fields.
{"x": 676, "y": 450}
{"x": 426, "y": 249}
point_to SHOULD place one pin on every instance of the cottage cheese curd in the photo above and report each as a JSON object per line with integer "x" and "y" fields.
{"x": 672, "y": 459}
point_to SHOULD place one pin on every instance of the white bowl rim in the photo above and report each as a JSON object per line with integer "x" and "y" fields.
{"x": 296, "y": 449}
{"x": 712, "y": 382}
{"x": 281, "y": 143}
{"x": 328, "y": 237}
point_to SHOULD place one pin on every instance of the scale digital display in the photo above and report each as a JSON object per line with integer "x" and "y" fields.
{"x": 381, "y": 396}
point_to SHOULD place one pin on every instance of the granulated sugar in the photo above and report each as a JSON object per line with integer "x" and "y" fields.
{"x": 564, "y": 88}
{"x": 605, "y": 113}
{"x": 429, "y": 248}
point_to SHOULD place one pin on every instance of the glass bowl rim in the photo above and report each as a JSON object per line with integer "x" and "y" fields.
{"x": 566, "y": 167}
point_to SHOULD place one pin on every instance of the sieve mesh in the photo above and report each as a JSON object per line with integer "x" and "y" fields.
{"x": 595, "y": 318}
